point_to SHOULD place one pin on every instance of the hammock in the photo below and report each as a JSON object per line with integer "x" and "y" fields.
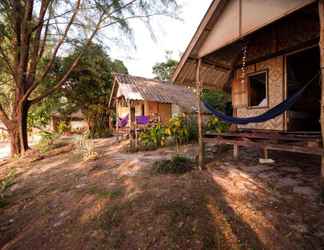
{"x": 142, "y": 120}
{"x": 268, "y": 115}
{"x": 122, "y": 122}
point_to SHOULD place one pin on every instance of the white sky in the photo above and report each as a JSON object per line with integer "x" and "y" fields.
{"x": 172, "y": 35}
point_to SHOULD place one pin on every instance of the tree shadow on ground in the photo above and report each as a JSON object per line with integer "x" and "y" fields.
{"x": 118, "y": 203}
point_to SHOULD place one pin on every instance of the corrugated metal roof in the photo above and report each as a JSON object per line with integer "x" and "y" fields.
{"x": 140, "y": 88}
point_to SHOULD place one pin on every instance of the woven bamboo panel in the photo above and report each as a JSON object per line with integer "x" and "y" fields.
{"x": 275, "y": 94}
{"x": 239, "y": 93}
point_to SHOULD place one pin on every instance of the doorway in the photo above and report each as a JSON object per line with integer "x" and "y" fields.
{"x": 301, "y": 67}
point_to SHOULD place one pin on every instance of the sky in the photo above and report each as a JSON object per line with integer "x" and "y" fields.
{"x": 171, "y": 35}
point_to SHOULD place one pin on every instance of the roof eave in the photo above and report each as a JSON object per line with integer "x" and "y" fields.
{"x": 201, "y": 28}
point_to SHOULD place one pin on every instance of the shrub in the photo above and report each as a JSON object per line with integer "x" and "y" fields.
{"x": 191, "y": 123}
{"x": 153, "y": 137}
{"x": 177, "y": 165}
{"x": 215, "y": 125}
{"x": 47, "y": 137}
{"x": 5, "y": 184}
{"x": 63, "y": 127}
{"x": 177, "y": 128}
{"x": 100, "y": 133}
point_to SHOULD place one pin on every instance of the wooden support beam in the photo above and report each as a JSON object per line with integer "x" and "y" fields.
{"x": 265, "y": 153}
{"x": 270, "y": 146}
{"x": 321, "y": 46}
{"x": 236, "y": 151}
{"x": 199, "y": 118}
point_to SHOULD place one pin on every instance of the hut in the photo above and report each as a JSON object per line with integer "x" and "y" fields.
{"x": 135, "y": 97}
{"x": 76, "y": 121}
{"x": 266, "y": 53}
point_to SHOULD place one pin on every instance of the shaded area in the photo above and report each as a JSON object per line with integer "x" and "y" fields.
{"x": 117, "y": 202}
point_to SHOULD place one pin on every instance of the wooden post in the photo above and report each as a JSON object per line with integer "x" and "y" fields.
{"x": 321, "y": 47}
{"x": 136, "y": 136}
{"x": 265, "y": 153}
{"x": 236, "y": 151}
{"x": 199, "y": 118}
{"x": 117, "y": 119}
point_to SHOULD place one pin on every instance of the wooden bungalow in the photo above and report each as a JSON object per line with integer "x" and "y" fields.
{"x": 263, "y": 51}
{"x": 138, "y": 96}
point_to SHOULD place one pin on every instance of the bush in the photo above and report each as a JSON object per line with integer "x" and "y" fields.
{"x": 215, "y": 125}
{"x": 5, "y": 184}
{"x": 153, "y": 137}
{"x": 100, "y": 133}
{"x": 63, "y": 127}
{"x": 191, "y": 123}
{"x": 177, "y": 165}
{"x": 178, "y": 129}
{"x": 47, "y": 137}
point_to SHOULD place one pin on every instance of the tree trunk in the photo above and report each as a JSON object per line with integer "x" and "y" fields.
{"x": 22, "y": 115}
{"x": 199, "y": 118}
{"x": 321, "y": 46}
{"x": 14, "y": 141}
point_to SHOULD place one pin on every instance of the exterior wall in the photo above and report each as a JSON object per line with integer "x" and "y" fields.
{"x": 275, "y": 68}
{"x": 121, "y": 111}
{"x": 164, "y": 112}
{"x": 150, "y": 109}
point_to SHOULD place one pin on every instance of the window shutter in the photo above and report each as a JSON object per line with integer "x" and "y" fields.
{"x": 239, "y": 93}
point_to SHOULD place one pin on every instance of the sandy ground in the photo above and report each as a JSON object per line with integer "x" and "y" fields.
{"x": 117, "y": 202}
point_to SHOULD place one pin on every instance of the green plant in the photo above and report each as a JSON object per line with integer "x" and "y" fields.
{"x": 63, "y": 127}
{"x": 5, "y": 184}
{"x": 154, "y": 137}
{"x": 47, "y": 137}
{"x": 178, "y": 129}
{"x": 214, "y": 124}
{"x": 177, "y": 165}
{"x": 191, "y": 123}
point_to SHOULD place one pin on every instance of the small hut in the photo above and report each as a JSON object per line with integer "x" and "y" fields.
{"x": 134, "y": 97}
{"x": 76, "y": 121}
{"x": 266, "y": 53}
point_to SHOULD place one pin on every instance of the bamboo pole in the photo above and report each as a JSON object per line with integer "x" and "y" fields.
{"x": 199, "y": 118}
{"x": 321, "y": 46}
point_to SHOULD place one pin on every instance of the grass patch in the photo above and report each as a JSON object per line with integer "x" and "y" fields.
{"x": 177, "y": 165}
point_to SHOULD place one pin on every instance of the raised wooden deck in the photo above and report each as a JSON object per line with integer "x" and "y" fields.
{"x": 306, "y": 143}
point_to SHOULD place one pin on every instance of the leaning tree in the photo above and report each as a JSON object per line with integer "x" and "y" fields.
{"x": 31, "y": 30}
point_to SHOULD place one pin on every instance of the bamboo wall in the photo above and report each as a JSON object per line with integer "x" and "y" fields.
{"x": 275, "y": 68}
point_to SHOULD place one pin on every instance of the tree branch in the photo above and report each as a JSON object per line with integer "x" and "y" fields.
{"x": 34, "y": 57}
{"x": 50, "y": 63}
{"x": 73, "y": 65}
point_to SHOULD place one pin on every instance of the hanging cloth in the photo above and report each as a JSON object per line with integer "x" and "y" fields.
{"x": 122, "y": 122}
{"x": 268, "y": 115}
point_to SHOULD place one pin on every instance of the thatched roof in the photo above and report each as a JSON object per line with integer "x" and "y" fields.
{"x": 140, "y": 88}
{"x": 75, "y": 115}
{"x": 219, "y": 37}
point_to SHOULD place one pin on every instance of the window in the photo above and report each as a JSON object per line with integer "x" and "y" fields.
{"x": 258, "y": 89}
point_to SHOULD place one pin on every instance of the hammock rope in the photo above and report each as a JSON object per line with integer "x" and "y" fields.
{"x": 268, "y": 115}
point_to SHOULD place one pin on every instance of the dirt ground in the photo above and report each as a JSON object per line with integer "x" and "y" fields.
{"x": 117, "y": 202}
